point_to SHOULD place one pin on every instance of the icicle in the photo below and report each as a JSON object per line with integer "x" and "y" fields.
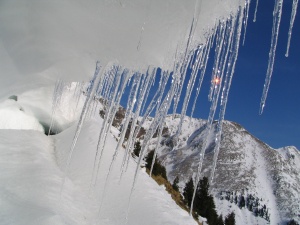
{"x": 131, "y": 138}
{"x": 149, "y": 87}
{"x": 57, "y": 96}
{"x": 54, "y": 103}
{"x": 155, "y": 102}
{"x": 224, "y": 98}
{"x": 247, "y": 6}
{"x": 123, "y": 85}
{"x": 160, "y": 129}
{"x": 108, "y": 119}
{"x": 130, "y": 106}
{"x": 256, "y": 6}
{"x": 275, "y": 30}
{"x": 158, "y": 119}
{"x": 189, "y": 88}
{"x": 216, "y": 73}
{"x": 215, "y": 100}
{"x": 187, "y": 57}
{"x": 203, "y": 70}
{"x": 180, "y": 85}
{"x": 92, "y": 108}
{"x": 293, "y": 16}
{"x": 84, "y": 111}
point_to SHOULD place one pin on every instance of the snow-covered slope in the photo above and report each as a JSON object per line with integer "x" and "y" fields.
{"x": 32, "y": 169}
{"x": 245, "y": 166}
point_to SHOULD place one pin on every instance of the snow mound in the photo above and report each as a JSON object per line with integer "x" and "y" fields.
{"x": 13, "y": 116}
{"x": 32, "y": 171}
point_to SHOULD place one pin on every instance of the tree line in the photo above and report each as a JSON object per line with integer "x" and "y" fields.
{"x": 204, "y": 205}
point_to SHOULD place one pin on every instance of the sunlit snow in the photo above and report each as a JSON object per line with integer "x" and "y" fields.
{"x": 83, "y": 175}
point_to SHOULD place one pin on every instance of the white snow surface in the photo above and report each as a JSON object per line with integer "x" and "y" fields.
{"x": 32, "y": 169}
{"x": 13, "y": 116}
{"x": 50, "y": 39}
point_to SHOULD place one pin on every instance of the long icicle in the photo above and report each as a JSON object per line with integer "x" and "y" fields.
{"x": 148, "y": 91}
{"x": 138, "y": 109}
{"x": 54, "y": 103}
{"x": 123, "y": 85}
{"x": 211, "y": 116}
{"x": 129, "y": 111}
{"x": 219, "y": 46}
{"x": 188, "y": 55}
{"x": 203, "y": 69}
{"x": 275, "y": 31}
{"x": 159, "y": 117}
{"x": 108, "y": 119}
{"x": 224, "y": 98}
{"x": 84, "y": 111}
{"x": 247, "y": 7}
{"x": 155, "y": 102}
{"x": 190, "y": 87}
{"x": 256, "y": 7}
{"x": 293, "y": 16}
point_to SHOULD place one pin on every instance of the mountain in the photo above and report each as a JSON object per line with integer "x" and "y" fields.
{"x": 246, "y": 168}
{"x": 33, "y": 167}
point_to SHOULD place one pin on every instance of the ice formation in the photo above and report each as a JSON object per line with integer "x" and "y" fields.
{"x": 171, "y": 36}
{"x": 109, "y": 84}
{"x": 275, "y": 31}
{"x": 293, "y": 15}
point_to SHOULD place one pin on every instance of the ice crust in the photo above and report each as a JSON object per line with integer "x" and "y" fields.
{"x": 64, "y": 38}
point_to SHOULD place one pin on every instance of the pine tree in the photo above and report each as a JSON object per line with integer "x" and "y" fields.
{"x": 158, "y": 169}
{"x": 230, "y": 219}
{"x": 188, "y": 192}
{"x": 137, "y": 148}
{"x": 242, "y": 202}
{"x": 235, "y": 200}
{"x": 220, "y": 220}
{"x": 149, "y": 159}
{"x": 292, "y": 222}
{"x": 204, "y": 203}
{"x": 175, "y": 184}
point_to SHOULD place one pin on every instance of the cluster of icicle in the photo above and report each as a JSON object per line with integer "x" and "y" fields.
{"x": 110, "y": 81}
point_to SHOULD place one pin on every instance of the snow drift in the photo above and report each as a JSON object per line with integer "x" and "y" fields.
{"x": 64, "y": 38}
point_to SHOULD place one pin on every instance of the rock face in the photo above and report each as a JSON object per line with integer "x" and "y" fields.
{"x": 245, "y": 167}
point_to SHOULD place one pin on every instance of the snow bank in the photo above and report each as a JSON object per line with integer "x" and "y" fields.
{"x": 64, "y": 38}
{"x": 30, "y": 184}
{"x": 32, "y": 110}
{"x": 13, "y": 116}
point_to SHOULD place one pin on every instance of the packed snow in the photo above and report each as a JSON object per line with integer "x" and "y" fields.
{"x": 33, "y": 167}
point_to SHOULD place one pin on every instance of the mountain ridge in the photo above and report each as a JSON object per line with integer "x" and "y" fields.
{"x": 246, "y": 165}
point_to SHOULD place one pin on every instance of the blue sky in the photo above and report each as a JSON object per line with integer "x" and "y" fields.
{"x": 279, "y": 125}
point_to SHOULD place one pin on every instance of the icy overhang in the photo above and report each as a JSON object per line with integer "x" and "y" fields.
{"x": 64, "y": 38}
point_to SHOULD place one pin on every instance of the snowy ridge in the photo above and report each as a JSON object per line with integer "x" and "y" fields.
{"x": 245, "y": 165}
